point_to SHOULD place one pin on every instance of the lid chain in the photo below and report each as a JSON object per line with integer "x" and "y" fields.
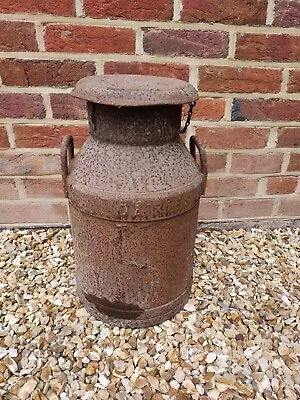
{"x": 189, "y": 117}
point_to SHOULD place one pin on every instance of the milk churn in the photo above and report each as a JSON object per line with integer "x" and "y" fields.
{"x": 133, "y": 192}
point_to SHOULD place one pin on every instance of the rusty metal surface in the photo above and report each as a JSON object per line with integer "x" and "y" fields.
{"x": 134, "y": 90}
{"x": 194, "y": 143}
{"x": 141, "y": 183}
{"x": 134, "y": 274}
{"x": 134, "y": 192}
{"x": 134, "y": 126}
{"x": 66, "y": 155}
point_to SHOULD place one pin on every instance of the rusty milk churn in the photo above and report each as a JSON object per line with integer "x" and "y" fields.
{"x": 133, "y": 192}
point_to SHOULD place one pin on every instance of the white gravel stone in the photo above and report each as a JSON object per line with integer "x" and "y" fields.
{"x": 104, "y": 332}
{"x": 213, "y": 394}
{"x": 120, "y": 365}
{"x": 175, "y": 385}
{"x": 236, "y": 338}
{"x": 3, "y": 352}
{"x": 103, "y": 380}
{"x": 93, "y": 356}
{"x": 210, "y": 358}
{"x": 189, "y": 307}
{"x": 179, "y": 375}
{"x": 263, "y": 363}
{"x": 184, "y": 353}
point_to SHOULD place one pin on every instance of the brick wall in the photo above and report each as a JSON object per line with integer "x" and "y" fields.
{"x": 243, "y": 55}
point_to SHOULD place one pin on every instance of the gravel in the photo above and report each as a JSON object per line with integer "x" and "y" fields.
{"x": 237, "y": 338}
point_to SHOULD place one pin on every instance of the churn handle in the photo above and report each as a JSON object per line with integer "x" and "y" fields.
{"x": 66, "y": 155}
{"x": 203, "y": 159}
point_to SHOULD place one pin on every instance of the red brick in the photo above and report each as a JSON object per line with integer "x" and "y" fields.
{"x": 233, "y": 137}
{"x": 17, "y": 36}
{"x": 21, "y": 105}
{"x": 209, "y": 109}
{"x": 65, "y": 106}
{"x": 61, "y": 7}
{"x": 294, "y": 164}
{"x": 8, "y": 190}
{"x": 289, "y": 207}
{"x": 4, "y": 143}
{"x": 89, "y": 39}
{"x": 239, "y": 12}
{"x": 43, "y": 188}
{"x": 177, "y": 71}
{"x": 251, "y": 46}
{"x": 193, "y": 43}
{"x": 161, "y": 10}
{"x": 288, "y": 137}
{"x": 281, "y": 184}
{"x": 29, "y": 164}
{"x": 239, "y": 80}
{"x": 266, "y": 110}
{"x": 294, "y": 81}
{"x": 44, "y": 72}
{"x": 48, "y": 135}
{"x": 37, "y": 212}
{"x": 256, "y": 163}
{"x": 287, "y": 13}
{"x": 216, "y": 162}
{"x": 208, "y": 210}
{"x": 231, "y": 187}
{"x": 253, "y": 208}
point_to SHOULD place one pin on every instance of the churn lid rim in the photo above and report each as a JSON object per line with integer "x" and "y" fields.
{"x": 134, "y": 90}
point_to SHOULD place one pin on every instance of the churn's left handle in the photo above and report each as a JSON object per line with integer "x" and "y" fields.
{"x": 203, "y": 159}
{"x": 66, "y": 155}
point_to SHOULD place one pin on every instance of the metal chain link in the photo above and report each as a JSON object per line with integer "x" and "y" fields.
{"x": 189, "y": 117}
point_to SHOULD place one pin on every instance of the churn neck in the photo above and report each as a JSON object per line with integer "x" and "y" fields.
{"x": 148, "y": 125}
{"x": 134, "y": 109}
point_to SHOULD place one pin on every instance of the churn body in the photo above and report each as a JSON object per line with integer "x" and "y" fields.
{"x": 134, "y": 192}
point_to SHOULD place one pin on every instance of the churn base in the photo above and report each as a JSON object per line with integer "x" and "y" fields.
{"x": 146, "y": 319}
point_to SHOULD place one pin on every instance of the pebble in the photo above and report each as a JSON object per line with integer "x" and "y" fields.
{"x": 210, "y": 358}
{"x": 189, "y": 307}
{"x": 103, "y": 380}
{"x": 236, "y": 338}
{"x": 175, "y": 385}
{"x": 188, "y": 384}
{"x": 80, "y": 313}
{"x": 120, "y": 365}
{"x": 275, "y": 385}
{"x": 93, "y": 356}
{"x": 11, "y": 364}
{"x": 26, "y": 390}
{"x": 141, "y": 382}
{"x": 213, "y": 394}
{"x": 45, "y": 372}
{"x": 179, "y": 375}
{"x": 184, "y": 353}
{"x": 263, "y": 364}
{"x": 104, "y": 333}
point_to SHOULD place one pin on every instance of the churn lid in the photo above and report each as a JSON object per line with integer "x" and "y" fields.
{"x": 134, "y": 90}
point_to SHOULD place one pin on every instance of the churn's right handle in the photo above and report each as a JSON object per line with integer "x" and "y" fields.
{"x": 66, "y": 155}
{"x": 203, "y": 160}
